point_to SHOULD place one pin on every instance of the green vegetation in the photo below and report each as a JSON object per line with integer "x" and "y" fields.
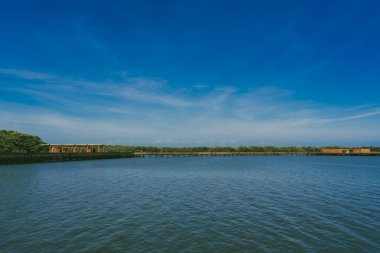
{"x": 16, "y": 142}
{"x": 167, "y": 149}
{"x": 373, "y": 149}
{"x": 117, "y": 149}
{"x": 276, "y": 149}
{"x": 211, "y": 149}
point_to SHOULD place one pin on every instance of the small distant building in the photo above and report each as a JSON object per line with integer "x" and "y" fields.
{"x": 335, "y": 151}
{"x": 361, "y": 150}
{"x": 75, "y": 148}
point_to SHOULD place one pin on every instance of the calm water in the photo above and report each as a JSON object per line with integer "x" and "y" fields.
{"x": 210, "y": 204}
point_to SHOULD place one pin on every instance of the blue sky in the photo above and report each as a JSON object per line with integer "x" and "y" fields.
{"x": 192, "y": 72}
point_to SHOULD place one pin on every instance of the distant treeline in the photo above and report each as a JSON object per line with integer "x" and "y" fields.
{"x": 116, "y": 149}
{"x": 16, "y": 142}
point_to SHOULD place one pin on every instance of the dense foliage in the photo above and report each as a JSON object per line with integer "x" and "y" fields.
{"x": 224, "y": 149}
{"x": 16, "y": 142}
{"x": 211, "y": 149}
{"x": 167, "y": 149}
{"x": 276, "y": 149}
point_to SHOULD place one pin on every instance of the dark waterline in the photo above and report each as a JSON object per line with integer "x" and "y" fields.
{"x": 189, "y": 204}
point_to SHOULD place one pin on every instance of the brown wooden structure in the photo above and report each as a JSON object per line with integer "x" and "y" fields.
{"x": 361, "y": 150}
{"x": 335, "y": 151}
{"x": 75, "y": 148}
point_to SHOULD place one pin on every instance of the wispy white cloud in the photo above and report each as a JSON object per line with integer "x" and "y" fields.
{"x": 146, "y": 96}
{"x": 140, "y": 110}
{"x": 25, "y": 74}
{"x": 353, "y": 117}
{"x": 57, "y": 127}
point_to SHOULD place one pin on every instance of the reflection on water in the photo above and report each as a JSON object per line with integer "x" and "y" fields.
{"x": 190, "y": 204}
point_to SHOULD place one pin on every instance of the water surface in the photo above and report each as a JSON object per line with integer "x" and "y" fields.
{"x": 190, "y": 204}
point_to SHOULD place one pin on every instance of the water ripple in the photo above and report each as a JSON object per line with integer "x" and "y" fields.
{"x": 220, "y": 204}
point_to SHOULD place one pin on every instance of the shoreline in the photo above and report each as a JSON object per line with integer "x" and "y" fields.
{"x": 188, "y": 154}
{"x": 22, "y": 158}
